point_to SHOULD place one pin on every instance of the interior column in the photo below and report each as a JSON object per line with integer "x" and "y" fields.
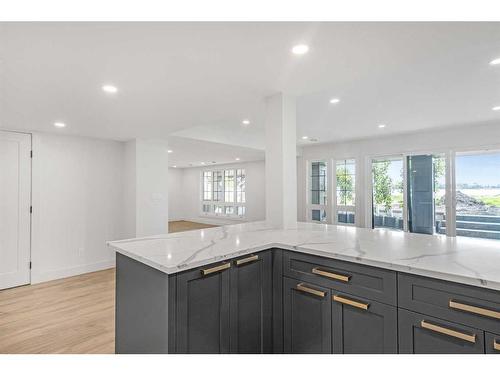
{"x": 146, "y": 196}
{"x": 281, "y": 161}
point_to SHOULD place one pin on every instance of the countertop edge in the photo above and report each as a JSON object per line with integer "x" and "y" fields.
{"x": 467, "y": 280}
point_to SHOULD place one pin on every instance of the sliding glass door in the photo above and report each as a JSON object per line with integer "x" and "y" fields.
{"x": 409, "y": 193}
{"x": 425, "y": 192}
{"x": 387, "y": 194}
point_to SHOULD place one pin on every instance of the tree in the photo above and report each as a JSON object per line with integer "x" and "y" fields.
{"x": 344, "y": 185}
{"x": 382, "y": 184}
{"x": 439, "y": 169}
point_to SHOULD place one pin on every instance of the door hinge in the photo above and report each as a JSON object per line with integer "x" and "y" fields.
{"x": 31, "y": 209}
{"x": 31, "y": 154}
{"x": 30, "y": 265}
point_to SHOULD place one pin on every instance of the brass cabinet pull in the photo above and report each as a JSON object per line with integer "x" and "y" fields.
{"x": 252, "y": 258}
{"x": 350, "y": 302}
{"x": 474, "y": 309}
{"x": 496, "y": 345}
{"x": 222, "y": 267}
{"x": 331, "y": 275}
{"x": 448, "y": 332}
{"x": 301, "y": 287}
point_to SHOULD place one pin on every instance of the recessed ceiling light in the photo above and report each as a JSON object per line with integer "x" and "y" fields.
{"x": 59, "y": 124}
{"x": 237, "y": 159}
{"x": 381, "y": 126}
{"x": 174, "y": 166}
{"x": 202, "y": 163}
{"x": 246, "y": 122}
{"x": 300, "y": 49}
{"x": 305, "y": 137}
{"x": 334, "y": 100}
{"x": 170, "y": 151}
{"x": 497, "y": 108}
{"x": 110, "y": 89}
{"x": 495, "y": 62}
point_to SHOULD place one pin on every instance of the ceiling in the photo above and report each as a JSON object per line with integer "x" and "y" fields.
{"x": 200, "y": 80}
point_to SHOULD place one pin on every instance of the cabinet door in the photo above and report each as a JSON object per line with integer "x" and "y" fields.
{"x": 306, "y": 318}
{"x": 203, "y": 310}
{"x": 492, "y": 343}
{"x": 422, "y": 334}
{"x": 362, "y": 326}
{"x": 251, "y": 304}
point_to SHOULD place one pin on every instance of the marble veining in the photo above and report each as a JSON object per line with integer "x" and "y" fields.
{"x": 466, "y": 260}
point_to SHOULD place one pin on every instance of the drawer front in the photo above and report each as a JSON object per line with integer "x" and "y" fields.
{"x": 364, "y": 281}
{"x": 472, "y": 306}
{"x": 423, "y": 334}
{"x": 363, "y": 326}
{"x": 492, "y": 343}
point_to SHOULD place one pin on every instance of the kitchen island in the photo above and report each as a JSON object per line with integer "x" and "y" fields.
{"x": 251, "y": 288}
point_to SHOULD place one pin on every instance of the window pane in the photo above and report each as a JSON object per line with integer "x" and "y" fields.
{"x": 387, "y": 179}
{"x": 218, "y": 186}
{"x": 345, "y": 217}
{"x": 206, "y": 208}
{"x": 229, "y": 185}
{"x": 218, "y": 209}
{"x": 345, "y": 171}
{"x": 478, "y": 195}
{"x": 318, "y": 215}
{"x": 207, "y": 186}
{"x": 241, "y": 211}
{"x": 240, "y": 186}
{"x": 229, "y": 210}
{"x": 318, "y": 183}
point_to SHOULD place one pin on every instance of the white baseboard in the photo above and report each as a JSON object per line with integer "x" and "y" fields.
{"x": 215, "y": 220}
{"x": 40, "y": 277}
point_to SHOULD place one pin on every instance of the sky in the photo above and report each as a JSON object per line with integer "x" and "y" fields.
{"x": 481, "y": 169}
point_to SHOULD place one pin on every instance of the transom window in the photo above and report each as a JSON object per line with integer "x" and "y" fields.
{"x": 224, "y": 193}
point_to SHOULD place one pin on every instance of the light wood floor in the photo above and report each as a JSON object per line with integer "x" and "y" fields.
{"x": 72, "y": 315}
{"x": 181, "y": 226}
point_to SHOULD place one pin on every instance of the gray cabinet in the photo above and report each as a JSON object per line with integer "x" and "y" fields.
{"x": 278, "y": 301}
{"x": 203, "y": 310}
{"x": 306, "y": 317}
{"x": 362, "y": 326}
{"x": 422, "y": 334}
{"x": 251, "y": 304}
{"x": 492, "y": 343}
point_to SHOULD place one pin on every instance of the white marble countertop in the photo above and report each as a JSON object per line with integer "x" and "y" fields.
{"x": 465, "y": 260}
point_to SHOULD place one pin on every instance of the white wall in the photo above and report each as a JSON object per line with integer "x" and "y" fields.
{"x": 445, "y": 140}
{"x": 77, "y": 197}
{"x": 175, "y": 193}
{"x": 151, "y": 169}
{"x": 187, "y": 193}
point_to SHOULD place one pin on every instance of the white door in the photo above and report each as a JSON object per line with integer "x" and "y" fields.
{"x": 15, "y": 201}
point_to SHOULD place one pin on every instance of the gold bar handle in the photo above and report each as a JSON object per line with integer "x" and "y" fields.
{"x": 331, "y": 275}
{"x": 301, "y": 287}
{"x": 250, "y": 259}
{"x": 496, "y": 345}
{"x": 222, "y": 267}
{"x": 474, "y": 309}
{"x": 350, "y": 302}
{"x": 448, "y": 332}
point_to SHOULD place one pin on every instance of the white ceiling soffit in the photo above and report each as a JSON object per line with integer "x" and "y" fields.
{"x": 200, "y": 80}
{"x": 187, "y": 153}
